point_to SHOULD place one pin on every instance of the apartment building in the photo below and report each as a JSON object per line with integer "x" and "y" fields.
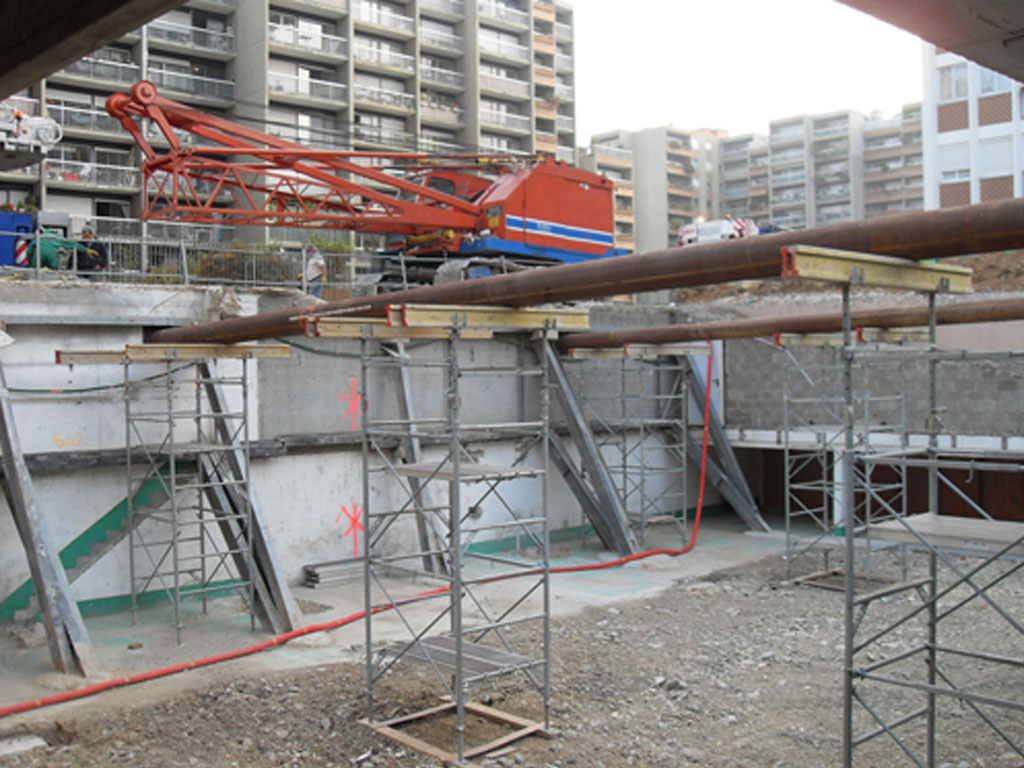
{"x": 607, "y": 155}
{"x": 429, "y": 75}
{"x": 894, "y": 164}
{"x": 668, "y": 180}
{"x": 972, "y": 121}
{"x": 743, "y": 173}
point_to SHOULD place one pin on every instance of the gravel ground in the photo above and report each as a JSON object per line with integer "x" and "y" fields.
{"x": 739, "y": 669}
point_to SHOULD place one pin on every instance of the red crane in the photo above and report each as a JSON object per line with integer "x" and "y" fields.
{"x": 470, "y": 205}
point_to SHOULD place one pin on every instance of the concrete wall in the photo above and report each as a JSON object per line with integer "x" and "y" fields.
{"x": 301, "y": 493}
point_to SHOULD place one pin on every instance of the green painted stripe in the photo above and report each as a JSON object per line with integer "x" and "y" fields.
{"x": 104, "y": 606}
{"x": 82, "y": 545}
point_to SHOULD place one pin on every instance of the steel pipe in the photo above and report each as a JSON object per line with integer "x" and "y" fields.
{"x": 919, "y": 235}
{"x": 883, "y": 317}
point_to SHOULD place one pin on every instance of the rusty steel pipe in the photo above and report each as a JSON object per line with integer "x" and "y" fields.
{"x": 919, "y": 235}
{"x": 831, "y": 322}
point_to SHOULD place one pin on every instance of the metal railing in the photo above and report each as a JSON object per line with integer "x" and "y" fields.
{"x": 780, "y": 137}
{"x": 564, "y": 92}
{"x": 568, "y": 154}
{"x": 194, "y": 85}
{"x": 504, "y": 48}
{"x": 389, "y": 136}
{"x": 504, "y": 12}
{"x": 27, "y": 105}
{"x": 787, "y": 178}
{"x": 617, "y": 153}
{"x": 563, "y": 63}
{"x": 79, "y": 119}
{"x": 384, "y": 57}
{"x": 446, "y": 40}
{"x": 454, "y": 7}
{"x": 442, "y": 76}
{"x": 383, "y": 97}
{"x": 831, "y": 130}
{"x": 505, "y": 119}
{"x": 504, "y": 84}
{"x": 192, "y": 37}
{"x": 101, "y": 69}
{"x": 563, "y": 31}
{"x": 382, "y": 16}
{"x": 429, "y": 144}
{"x": 435, "y": 113}
{"x": 565, "y": 124}
{"x": 314, "y": 89}
{"x": 320, "y": 42}
{"x": 93, "y": 174}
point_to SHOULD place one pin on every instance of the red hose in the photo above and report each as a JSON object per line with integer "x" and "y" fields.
{"x": 119, "y": 682}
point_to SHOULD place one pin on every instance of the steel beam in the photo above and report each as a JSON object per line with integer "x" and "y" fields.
{"x": 831, "y": 322}
{"x": 916, "y": 236}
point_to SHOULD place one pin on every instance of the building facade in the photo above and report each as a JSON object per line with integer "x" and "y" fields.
{"x": 894, "y": 164}
{"x": 431, "y": 75}
{"x": 972, "y": 126}
{"x": 607, "y": 155}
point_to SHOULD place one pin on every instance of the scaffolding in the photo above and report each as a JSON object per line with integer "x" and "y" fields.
{"x": 813, "y": 450}
{"x": 193, "y": 523}
{"x": 901, "y": 665}
{"x": 640, "y": 415}
{"x": 478, "y": 524}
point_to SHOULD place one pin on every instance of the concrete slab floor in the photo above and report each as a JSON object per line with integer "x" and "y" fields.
{"x": 124, "y": 647}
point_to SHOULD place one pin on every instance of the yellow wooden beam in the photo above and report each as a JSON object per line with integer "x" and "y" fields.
{"x": 512, "y": 318}
{"x": 377, "y": 328}
{"x": 152, "y": 353}
{"x": 852, "y": 268}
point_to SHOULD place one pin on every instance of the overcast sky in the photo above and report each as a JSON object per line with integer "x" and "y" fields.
{"x": 734, "y": 64}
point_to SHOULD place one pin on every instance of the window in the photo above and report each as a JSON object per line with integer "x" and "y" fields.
{"x": 953, "y": 82}
{"x": 960, "y": 174}
{"x": 993, "y": 82}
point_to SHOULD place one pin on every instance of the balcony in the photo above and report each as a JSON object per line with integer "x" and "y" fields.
{"x": 504, "y": 13}
{"x": 101, "y": 69}
{"x": 563, "y": 32}
{"x": 546, "y": 142}
{"x": 564, "y": 92}
{"x": 93, "y": 174}
{"x": 388, "y": 136}
{"x": 78, "y": 119}
{"x": 193, "y": 85}
{"x": 305, "y": 40}
{"x": 206, "y": 40}
{"x": 544, "y": 44}
{"x": 787, "y": 136}
{"x": 109, "y": 227}
{"x": 438, "y": 115}
{"x": 565, "y": 124}
{"x": 831, "y": 148}
{"x": 825, "y": 131}
{"x": 323, "y": 138}
{"x": 444, "y": 41}
{"x": 563, "y": 63}
{"x": 28, "y": 106}
{"x": 508, "y": 120}
{"x": 306, "y": 87}
{"x": 383, "y": 57}
{"x": 543, "y": 75}
{"x": 504, "y": 85}
{"x": 440, "y": 146}
{"x": 384, "y": 18}
{"x": 788, "y": 178}
{"x": 444, "y": 77}
{"x": 731, "y": 193}
{"x": 615, "y": 154}
{"x": 384, "y": 98}
{"x": 505, "y": 49}
{"x": 450, "y": 7}
{"x": 567, "y": 154}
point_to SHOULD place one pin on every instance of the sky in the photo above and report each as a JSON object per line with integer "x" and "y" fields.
{"x": 734, "y": 64}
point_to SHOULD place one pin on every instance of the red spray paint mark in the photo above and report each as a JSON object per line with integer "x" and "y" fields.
{"x": 354, "y": 526}
{"x": 353, "y": 404}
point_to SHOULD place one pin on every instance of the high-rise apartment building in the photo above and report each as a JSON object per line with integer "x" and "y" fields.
{"x": 893, "y": 164}
{"x": 426, "y": 75}
{"x": 668, "y": 180}
{"x": 610, "y": 158}
{"x": 972, "y": 123}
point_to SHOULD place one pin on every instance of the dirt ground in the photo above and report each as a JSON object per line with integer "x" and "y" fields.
{"x": 742, "y": 668}
{"x": 997, "y": 271}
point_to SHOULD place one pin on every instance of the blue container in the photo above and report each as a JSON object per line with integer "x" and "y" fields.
{"x": 11, "y": 223}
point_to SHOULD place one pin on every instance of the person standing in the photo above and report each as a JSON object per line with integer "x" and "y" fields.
{"x": 315, "y": 270}
{"x": 95, "y": 258}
